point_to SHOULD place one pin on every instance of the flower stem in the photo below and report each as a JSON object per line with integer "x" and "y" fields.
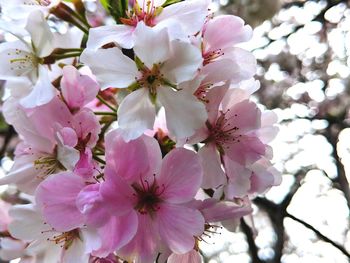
{"x": 102, "y": 100}
{"x": 106, "y": 113}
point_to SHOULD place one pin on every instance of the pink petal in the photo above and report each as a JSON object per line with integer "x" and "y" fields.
{"x": 77, "y": 89}
{"x": 45, "y": 117}
{"x": 117, "y": 233}
{"x": 181, "y": 175}
{"x": 87, "y": 126}
{"x": 245, "y": 150}
{"x": 214, "y": 98}
{"x": 239, "y": 179}
{"x": 117, "y": 195}
{"x": 127, "y": 159}
{"x": 216, "y": 211}
{"x": 90, "y": 204}
{"x": 190, "y": 257}
{"x": 190, "y": 15}
{"x": 213, "y": 175}
{"x": 245, "y": 115}
{"x": 232, "y": 31}
{"x": 144, "y": 246}
{"x": 86, "y": 166}
{"x": 67, "y": 136}
{"x": 56, "y": 197}
{"x": 178, "y": 225}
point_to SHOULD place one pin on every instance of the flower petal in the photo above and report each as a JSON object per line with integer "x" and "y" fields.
{"x": 213, "y": 175}
{"x": 89, "y": 203}
{"x": 184, "y": 112}
{"x": 117, "y": 233}
{"x": 239, "y": 179}
{"x": 184, "y": 63}
{"x": 56, "y": 197}
{"x": 39, "y": 30}
{"x": 100, "y": 36}
{"x": 189, "y": 14}
{"x": 136, "y": 114}
{"x": 178, "y": 225}
{"x": 117, "y": 195}
{"x": 146, "y": 38}
{"x": 128, "y": 160}
{"x": 190, "y": 257}
{"x": 42, "y": 93}
{"x": 232, "y": 31}
{"x": 77, "y": 89}
{"x": 144, "y": 246}
{"x": 181, "y": 175}
{"x": 111, "y": 67}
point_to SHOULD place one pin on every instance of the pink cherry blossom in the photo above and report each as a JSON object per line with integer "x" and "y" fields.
{"x": 77, "y": 89}
{"x": 218, "y": 51}
{"x": 154, "y": 190}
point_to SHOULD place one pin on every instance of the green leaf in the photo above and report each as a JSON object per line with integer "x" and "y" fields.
{"x": 116, "y": 8}
{"x": 170, "y": 2}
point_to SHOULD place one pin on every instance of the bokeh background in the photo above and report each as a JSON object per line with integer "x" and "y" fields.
{"x": 302, "y": 48}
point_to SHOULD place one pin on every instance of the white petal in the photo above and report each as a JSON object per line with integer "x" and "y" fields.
{"x": 111, "y": 67}
{"x": 42, "y": 93}
{"x": 11, "y": 248}
{"x": 76, "y": 253}
{"x": 67, "y": 156}
{"x": 121, "y": 34}
{"x": 23, "y": 174}
{"x": 184, "y": 63}
{"x": 15, "y": 61}
{"x": 27, "y": 223}
{"x": 39, "y": 30}
{"x": 184, "y": 113}
{"x": 189, "y": 14}
{"x": 151, "y": 46}
{"x": 136, "y": 114}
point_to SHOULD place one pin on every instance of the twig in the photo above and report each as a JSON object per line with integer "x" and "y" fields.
{"x": 319, "y": 234}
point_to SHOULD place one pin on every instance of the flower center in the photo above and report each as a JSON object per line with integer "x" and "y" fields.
{"x": 22, "y": 62}
{"x": 65, "y": 239}
{"x": 148, "y": 195}
{"x": 48, "y": 165}
{"x": 147, "y": 14}
{"x": 223, "y": 132}
{"x": 209, "y": 57}
{"x": 151, "y": 78}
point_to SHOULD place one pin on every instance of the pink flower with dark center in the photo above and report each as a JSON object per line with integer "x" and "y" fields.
{"x": 154, "y": 190}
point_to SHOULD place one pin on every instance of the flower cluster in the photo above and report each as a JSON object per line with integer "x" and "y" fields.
{"x": 138, "y": 138}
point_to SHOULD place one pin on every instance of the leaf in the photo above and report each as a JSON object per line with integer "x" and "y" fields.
{"x": 116, "y": 8}
{"x": 170, "y": 2}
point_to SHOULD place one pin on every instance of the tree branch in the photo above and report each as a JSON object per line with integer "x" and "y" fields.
{"x": 319, "y": 234}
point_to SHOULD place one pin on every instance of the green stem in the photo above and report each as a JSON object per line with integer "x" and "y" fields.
{"x": 67, "y": 50}
{"x": 67, "y": 55}
{"x": 102, "y": 100}
{"x": 106, "y": 113}
{"x": 81, "y": 19}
